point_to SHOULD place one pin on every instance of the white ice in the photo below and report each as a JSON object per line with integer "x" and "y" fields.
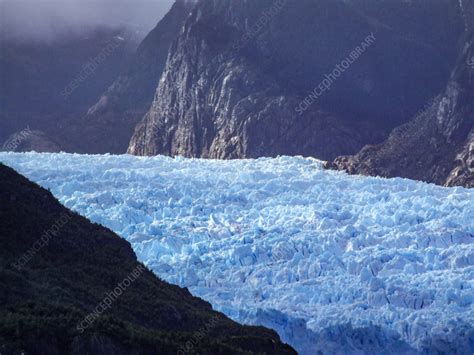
{"x": 334, "y": 263}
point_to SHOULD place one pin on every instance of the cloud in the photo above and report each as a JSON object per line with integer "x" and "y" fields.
{"x": 48, "y": 19}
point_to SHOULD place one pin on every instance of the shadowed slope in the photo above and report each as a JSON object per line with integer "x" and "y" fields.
{"x": 48, "y": 289}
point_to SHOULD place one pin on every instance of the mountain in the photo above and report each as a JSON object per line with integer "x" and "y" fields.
{"x": 109, "y": 123}
{"x": 28, "y": 140}
{"x": 320, "y": 78}
{"x": 72, "y": 287}
{"x": 353, "y": 82}
{"x": 54, "y": 86}
{"x": 46, "y": 85}
{"x": 437, "y": 145}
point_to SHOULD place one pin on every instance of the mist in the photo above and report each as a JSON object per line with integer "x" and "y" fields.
{"x": 47, "y": 20}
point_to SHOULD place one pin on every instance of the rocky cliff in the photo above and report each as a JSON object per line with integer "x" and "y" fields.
{"x": 320, "y": 78}
{"x": 109, "y": 123}
{"x": 437, "y": 145}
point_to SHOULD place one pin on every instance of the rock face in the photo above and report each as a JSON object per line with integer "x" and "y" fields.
{"x": 438, "y": 144}
{"x": 112, "y": 119}
{"x": 68, "y": 286}
{"x": 259, "y": 78}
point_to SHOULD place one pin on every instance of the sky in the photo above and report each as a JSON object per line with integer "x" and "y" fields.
{"x": 50, "y": 19}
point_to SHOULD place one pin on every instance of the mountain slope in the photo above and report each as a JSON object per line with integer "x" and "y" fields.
{"x": 111, "y": 120}
{"x": 56, "y": 269}
{"x": 238, "y": 73}
{"x": 438, "y": 144}
{"x": 28, "y": 140}
{"x": 47, "y": 85}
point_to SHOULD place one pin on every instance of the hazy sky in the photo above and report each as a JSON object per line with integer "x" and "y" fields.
{"x": 46, "y": 19}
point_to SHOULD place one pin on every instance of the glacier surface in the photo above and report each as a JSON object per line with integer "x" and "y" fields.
{"x": 334, "y": 263}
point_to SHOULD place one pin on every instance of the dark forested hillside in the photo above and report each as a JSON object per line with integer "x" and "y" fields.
{"x": 57, "y": 275}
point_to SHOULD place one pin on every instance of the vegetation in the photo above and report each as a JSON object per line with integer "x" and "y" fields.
{"x": 43, "y": 300}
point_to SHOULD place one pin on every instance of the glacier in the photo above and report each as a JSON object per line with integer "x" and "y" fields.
{"x": 334, "y": 263}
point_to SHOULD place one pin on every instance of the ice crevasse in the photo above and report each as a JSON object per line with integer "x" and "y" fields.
{"x": 334, "y": 263}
